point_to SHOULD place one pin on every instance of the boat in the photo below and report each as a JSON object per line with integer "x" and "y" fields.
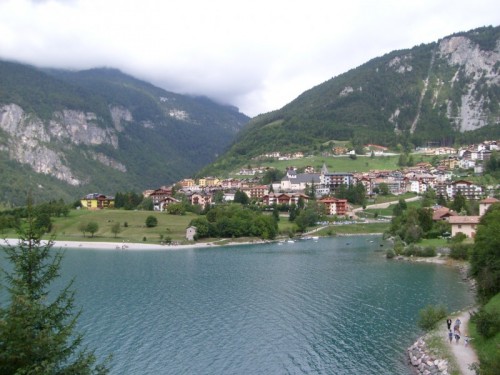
{"x": 290, "y": 241}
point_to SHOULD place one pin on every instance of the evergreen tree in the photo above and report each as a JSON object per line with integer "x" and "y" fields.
{"x": 37, "y": 331}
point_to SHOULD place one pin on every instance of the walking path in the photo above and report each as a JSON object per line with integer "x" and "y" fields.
{"x": 386, "y": 204}
{"x": 464, "y": 355}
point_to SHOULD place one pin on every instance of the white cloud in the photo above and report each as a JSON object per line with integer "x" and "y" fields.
{"x": 257, "y": 55}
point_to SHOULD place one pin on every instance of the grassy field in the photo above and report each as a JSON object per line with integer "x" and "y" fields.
{"x": 341, "y": 163}
{"x": 361, "y": 228}
{"x": 132, "y": 226}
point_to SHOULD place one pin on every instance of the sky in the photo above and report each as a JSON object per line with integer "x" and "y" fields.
{"x": 256, "y": 55}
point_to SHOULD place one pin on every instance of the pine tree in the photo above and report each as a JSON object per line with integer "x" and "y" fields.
{"x": 36, "y": 328}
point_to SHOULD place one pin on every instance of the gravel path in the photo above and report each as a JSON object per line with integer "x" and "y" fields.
{"x": 465, "y": 355}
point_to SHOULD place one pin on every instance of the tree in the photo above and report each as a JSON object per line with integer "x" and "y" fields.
{"x": 384, "y": 188}
{"x": 115, "y": 228}
{"x": 485, "y": 258}
{"x": 82, "y": 227}
{"x": 241, "y": 197}
{"x": 459, "y": 203}
{"x": 92, "y": 228}
{"x": 37, "y": 327}
{"x": 151, "y": 221}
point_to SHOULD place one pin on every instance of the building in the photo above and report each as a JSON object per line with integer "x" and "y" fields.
{"x": 335, "y": 206}
{"x": 333, "y": 181}
{"x": 298, "y": 181}
{"x": 485, "y": 204}
{"x": 158, "y": 196}
{"x": 96, "y": 201}
{"x": 166, "y": 202}
{"x": 201, "y": 199}
{"x": 464, "y": 224}
{"x": 442, "y": 213}
{"x": 190, "y": 233}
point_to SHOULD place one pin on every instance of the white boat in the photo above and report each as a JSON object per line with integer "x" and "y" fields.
{"x": 290, "y": 241}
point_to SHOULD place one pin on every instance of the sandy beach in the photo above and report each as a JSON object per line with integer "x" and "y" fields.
{"x": 116, "y": 245}
{"x": 132, "y": 245}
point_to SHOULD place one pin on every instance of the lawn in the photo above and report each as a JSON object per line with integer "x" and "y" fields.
{"x": 132, "y": 226}
{"x": 340, "y": 163}
{"x": 361, "y": 228}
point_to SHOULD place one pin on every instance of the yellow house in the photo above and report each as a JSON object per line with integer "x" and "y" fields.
{"x": 208, "y": 181}
{"x": 187, "y": 182}
{"x": 97, "y": 201}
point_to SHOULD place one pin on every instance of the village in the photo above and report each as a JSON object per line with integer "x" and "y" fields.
{"x": 443, "y": 178}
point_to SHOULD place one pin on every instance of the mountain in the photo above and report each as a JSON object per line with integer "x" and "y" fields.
{"x": 443, "y": 92}
{"x": 64, "y": 134}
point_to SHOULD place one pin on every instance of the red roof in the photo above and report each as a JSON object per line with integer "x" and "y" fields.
{"x": 489, "y": 200}
{"x": 464, "y": 219}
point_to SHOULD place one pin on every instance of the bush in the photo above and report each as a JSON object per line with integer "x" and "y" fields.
{"x": 429, "y": 251}
{"x": 487, "y": 322}
{"x": 458, "y": 238}
{"x": 460, "y": 251}
{"x": 390, "y": 254}
{"x": 414, "y": 250}
{"x": 430, "y": 315}
{"x": 151, "y": 221}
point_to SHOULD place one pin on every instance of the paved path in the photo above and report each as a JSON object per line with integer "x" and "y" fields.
{"x": 387, "y": 204}
{"x": 465, "y": 355}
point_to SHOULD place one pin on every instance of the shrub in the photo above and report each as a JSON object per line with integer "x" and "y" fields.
{"x": 428, "y": 251}
{"x": 151, "y": 221}
{"x": 487, "y": 322}
{"x": 429, "y": 316}
{"x": 460, "y": 251}
{"x": 458, "y": 238}
{"x": 390, "y": 254}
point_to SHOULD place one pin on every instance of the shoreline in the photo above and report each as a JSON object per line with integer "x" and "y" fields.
{"x": 99, "y": 245}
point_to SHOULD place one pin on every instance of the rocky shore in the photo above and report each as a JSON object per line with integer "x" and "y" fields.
{"x": 424, "y": 362}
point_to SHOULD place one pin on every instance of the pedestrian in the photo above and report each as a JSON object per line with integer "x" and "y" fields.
{"x": 457, "y": 337}
{"x": 450, "y": 335}
{"x": 467, "y": 339}
{"x": 448, "y": 322}
{"x": 456, "y": 327}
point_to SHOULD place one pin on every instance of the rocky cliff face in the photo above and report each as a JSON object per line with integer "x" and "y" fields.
{"x": 41, "y": 145}
{"x": 479, "y": 71}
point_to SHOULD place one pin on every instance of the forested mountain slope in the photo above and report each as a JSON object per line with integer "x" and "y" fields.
{"x": 443, "y": 92}
{"x": 65, "y": 133}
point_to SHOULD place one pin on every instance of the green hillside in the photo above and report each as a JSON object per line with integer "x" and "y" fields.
{"x": 408, "y": 97}
{"x": 165, "y": 137}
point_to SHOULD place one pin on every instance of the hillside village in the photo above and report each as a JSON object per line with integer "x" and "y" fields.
{"x": 325, "y": 185}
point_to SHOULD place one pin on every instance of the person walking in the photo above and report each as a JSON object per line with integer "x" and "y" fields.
{"x": 457, "y": 337}
{"x": 456, "y": 327}
{"x": 450, "y": 335}
{"x": 448, "y": 323}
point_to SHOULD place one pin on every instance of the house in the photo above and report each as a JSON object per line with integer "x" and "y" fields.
{"x": 282, "y": 198}
{"x": 187, "y": 182}
{"x": 442, "y": 213}
{"x": 159, "y": 195}
{"x": 464, "y": 224}
{"x": 165, "y": 202}
{"x": 208, "y": 181}
{"x": 485, "y": 204}
{"x": 96, "y": 201}
{"x": 190, "y": 233}
{"x": 254, "y": 191}
{"x": 201, "y": 199}
{"x": 335, "y": 206}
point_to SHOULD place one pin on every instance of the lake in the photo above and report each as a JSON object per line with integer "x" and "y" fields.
{"x": 335, "y": 306}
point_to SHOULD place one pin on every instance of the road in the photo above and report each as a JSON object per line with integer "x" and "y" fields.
{"x": 387, "y": 204}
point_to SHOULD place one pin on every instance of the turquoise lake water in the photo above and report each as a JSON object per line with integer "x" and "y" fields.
{"x": 335, "y": 306}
